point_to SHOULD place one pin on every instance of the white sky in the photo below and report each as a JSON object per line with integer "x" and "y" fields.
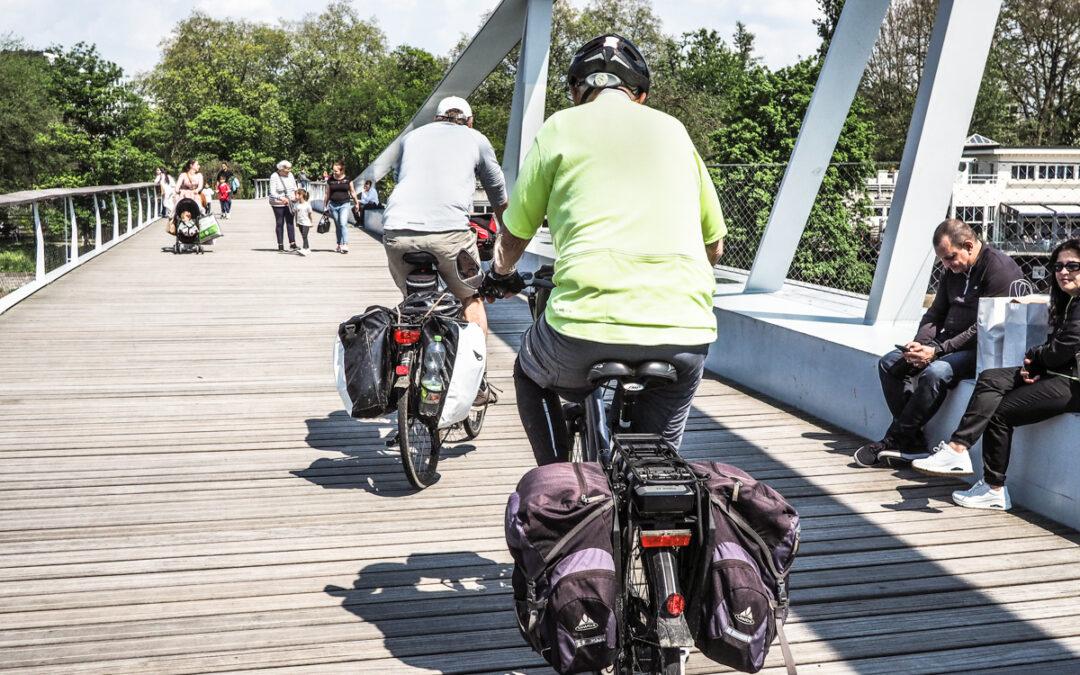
{"x": 129, "y": 32}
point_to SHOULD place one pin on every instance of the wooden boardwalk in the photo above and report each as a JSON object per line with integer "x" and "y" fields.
{"x": 180, "y": 492}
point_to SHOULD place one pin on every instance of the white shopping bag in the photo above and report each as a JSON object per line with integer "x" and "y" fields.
{"x": 470, "y": 362}
{"x": 1027, "y": 324}
{"x": 991, "y": 333}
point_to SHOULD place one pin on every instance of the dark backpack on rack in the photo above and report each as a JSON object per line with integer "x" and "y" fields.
{"x": 362, "y": 363}
{"x": 744, "y": 602}
{"x": 559, "y": 526}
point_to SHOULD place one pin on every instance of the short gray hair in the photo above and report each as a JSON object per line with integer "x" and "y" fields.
{"x": 284, "y": 164}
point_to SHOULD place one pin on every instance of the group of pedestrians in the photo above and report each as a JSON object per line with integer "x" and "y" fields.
{"x": 191, "y": 184}
{"x": 291, "y": 203}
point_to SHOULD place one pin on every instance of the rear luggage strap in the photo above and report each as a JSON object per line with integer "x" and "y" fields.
{"x": 785, "y": 648}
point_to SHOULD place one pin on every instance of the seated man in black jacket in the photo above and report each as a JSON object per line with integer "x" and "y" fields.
{"x": 916, "y": 380}
{"x": 1005, "y": 398}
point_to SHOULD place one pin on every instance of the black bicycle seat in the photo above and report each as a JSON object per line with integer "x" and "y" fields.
{"x": 419, "y": 258}
{"x": 608, "y": 370}
{"x": 656, "y": 371}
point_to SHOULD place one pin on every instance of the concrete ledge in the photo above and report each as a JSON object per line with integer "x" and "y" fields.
{"x": 810, "y": 349}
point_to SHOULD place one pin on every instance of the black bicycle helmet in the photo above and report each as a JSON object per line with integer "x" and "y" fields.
{"x": 606, "y": 62}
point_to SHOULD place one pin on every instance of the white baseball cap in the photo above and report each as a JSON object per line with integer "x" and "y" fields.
{"x": 453, "y": 103}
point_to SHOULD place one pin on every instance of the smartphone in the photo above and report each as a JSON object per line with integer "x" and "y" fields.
{"x": 901, "y": 348}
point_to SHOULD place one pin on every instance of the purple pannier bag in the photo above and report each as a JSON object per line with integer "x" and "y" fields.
{"x": 559, "y": 524}
{"x": 745, "y": 599}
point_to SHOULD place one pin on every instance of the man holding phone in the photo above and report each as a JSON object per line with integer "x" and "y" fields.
{"x": 917, "y": 376}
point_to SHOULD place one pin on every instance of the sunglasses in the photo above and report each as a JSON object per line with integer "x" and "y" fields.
{"x": 1072, "y": 266}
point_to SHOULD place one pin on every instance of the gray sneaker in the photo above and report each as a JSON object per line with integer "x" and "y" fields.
{"x": 900, "y": 458}
{"x": 485, "y": 395}
{"x": 867, "y": 455}
{"x": 981, "y": 496}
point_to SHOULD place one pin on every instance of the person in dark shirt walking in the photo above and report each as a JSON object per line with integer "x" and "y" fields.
{"x": 917, "y": 378}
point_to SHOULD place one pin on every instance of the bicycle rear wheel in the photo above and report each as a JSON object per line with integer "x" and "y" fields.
{"x": 419, "y": 445}
{"x": 475, "y": 421}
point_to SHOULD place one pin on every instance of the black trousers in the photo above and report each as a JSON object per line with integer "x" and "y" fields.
{"x": 1001, "y": 402}
{"x": 914, "y": 395}
{"x": 283, "y": 216}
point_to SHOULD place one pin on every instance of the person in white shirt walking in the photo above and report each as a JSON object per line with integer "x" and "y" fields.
{"x": 303, "y": 218}
{"x": 282, "y": 198}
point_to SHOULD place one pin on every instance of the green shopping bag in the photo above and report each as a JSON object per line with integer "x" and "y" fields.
{"x": 209, "y": 229}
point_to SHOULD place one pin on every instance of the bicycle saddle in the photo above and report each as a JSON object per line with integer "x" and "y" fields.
{"x": 419, "y": 258}
{"x": 649, "y": 372}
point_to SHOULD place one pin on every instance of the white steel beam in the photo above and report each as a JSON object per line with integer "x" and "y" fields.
{"x": 959, "y": 45}
{"x": 852, "y": 42}
{"x": 530, "y": 88}
{"x": 499, "y": 34}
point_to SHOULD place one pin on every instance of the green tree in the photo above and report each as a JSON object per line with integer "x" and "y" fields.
{"x": 762, "y": 131}
{"x": 26, "y": 112}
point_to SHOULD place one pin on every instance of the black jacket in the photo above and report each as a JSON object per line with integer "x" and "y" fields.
{"x": 1062, "y": 349}
{"x": 949, "y": 323}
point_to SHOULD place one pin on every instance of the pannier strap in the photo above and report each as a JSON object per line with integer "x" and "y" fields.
{"x": 603, "y": 506}
{"x": 752, "y": 533}
{"x": 785, "y": 648}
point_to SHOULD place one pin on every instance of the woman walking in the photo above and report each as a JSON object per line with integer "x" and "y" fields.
{"x": 340, "y": 198}
{"x": 167, "y": 187}
{"x": 1006, "y": 398}
{"x": 282, "y": 198}
{"x": 190, "y": 183}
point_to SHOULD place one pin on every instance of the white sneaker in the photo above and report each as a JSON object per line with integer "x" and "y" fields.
{"x": 981, "y": 496}
{"x": 945, "y": 462}
{"x": 304, "y": 251}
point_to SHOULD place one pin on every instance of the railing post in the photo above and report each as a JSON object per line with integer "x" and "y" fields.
{"x": 138, "y": 195}
{"x": 39, "y": 241}
{"x": 127, "y": 199}
{"x": 97, "y": 222}
{"x": 73, "y": 254}
{"x": 115, "y": 218}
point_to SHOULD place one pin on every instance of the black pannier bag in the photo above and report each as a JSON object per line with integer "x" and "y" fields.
{"x": 744, "y": 602}
{"x": 362, "y": 363}
{"x": 559, "y": 527}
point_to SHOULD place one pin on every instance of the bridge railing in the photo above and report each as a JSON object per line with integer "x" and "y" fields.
{"x": 316, "y": 188}
{"x": 45, "y": 234}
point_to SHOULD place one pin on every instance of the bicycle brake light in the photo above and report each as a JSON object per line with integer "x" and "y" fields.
{"x": 406, "y": 336}
{"x": 664, "y": 538}
{"x": 401, "y": 370}
{"x": 675, "y": 604}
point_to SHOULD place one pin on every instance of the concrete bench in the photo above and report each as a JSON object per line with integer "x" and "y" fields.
{"x": 810, "y": 349}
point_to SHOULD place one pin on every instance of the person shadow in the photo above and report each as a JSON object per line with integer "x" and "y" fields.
{"x": 367, "y": 462}
{"x": 432, "y": 608}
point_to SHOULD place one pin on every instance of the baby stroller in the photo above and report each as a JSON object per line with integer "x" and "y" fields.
{"x": 187, "y": 232}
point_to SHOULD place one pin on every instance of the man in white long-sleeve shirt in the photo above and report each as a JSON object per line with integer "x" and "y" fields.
{"x": 429, "y": 208}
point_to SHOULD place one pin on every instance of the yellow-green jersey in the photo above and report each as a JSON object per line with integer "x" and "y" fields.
{"x": 630, "y": 206}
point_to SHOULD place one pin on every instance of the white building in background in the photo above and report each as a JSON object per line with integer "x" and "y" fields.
{"x": 1022, "y": 200}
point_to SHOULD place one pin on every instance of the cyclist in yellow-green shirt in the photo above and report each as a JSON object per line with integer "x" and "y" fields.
{"x": 633, "y": 273}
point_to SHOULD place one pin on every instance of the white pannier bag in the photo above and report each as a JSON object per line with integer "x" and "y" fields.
{"x": 466, "y": 373}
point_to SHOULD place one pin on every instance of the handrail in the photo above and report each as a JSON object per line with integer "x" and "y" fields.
{"x": 141, "y": 203}
{"x": 316, "y": 188}
{"x": 29, "y": 196}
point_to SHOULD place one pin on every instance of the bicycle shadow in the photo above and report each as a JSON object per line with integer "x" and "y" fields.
{"x": 367, "y": 462}
{"x": 433, "y": 605}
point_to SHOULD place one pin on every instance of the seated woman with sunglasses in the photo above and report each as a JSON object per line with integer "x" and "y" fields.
{"x": 1046, "y": 385}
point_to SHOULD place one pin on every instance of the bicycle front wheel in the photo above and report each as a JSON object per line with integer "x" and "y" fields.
{"x": 419, "y": 445}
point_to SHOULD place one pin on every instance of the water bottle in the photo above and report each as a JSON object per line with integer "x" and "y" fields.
{"x": 431, "y": 383}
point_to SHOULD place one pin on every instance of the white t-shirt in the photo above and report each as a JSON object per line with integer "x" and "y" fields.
{"x": 303, "y": 214}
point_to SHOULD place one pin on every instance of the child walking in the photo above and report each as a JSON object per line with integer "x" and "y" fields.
{"x": 224, "y": 195}
{"x": 303, "y": 218}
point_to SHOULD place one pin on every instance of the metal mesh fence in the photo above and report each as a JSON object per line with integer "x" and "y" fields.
{"x": 1024, "y": 209}
{"x": 840, "y": 244}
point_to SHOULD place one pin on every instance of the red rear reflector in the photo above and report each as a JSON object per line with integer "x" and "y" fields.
{"x": 402, "y": 370}
{"x": 663, "y": 538}
{"x": 406, "y": 336}
{"x": 675, "y": 604}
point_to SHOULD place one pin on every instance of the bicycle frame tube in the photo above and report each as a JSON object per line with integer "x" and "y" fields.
{"x": 597, "y": 438}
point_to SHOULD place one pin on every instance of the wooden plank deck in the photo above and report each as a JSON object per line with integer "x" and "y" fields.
{"x": 181, "y": 493}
